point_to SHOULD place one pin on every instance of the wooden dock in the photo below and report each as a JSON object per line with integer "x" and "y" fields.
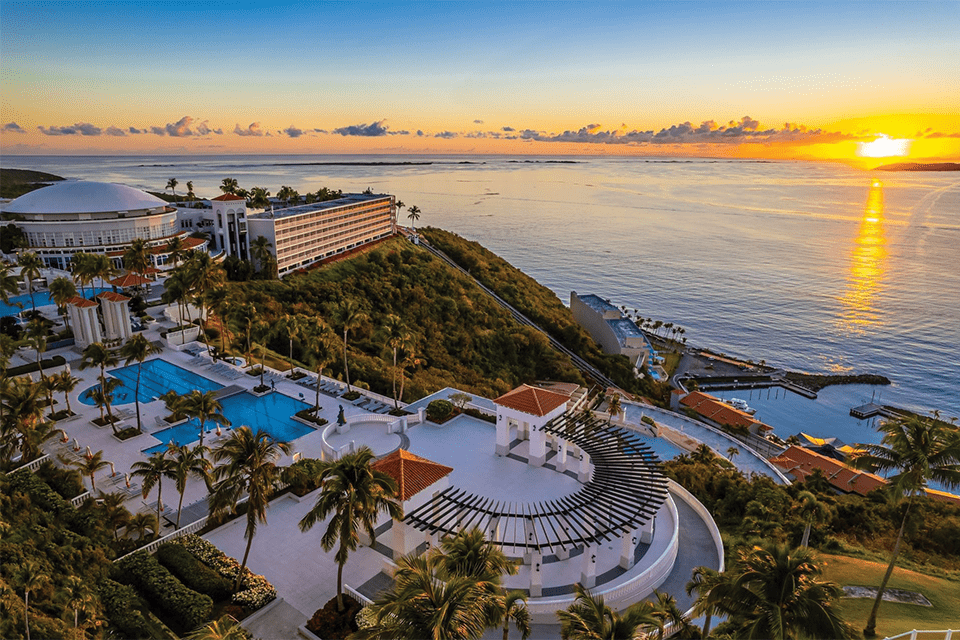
{"x": 869, "y": 410}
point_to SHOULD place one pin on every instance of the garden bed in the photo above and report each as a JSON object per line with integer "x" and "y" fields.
{"x": 63, "y": 414}
{"x": 351, "y": 395}
{"x": 307, "y": 416}
{"x": 297, "y": 375}
{"x": 261, "y": 390}
{"x": 127, "y": 433}
{"x": 105, "y": 421}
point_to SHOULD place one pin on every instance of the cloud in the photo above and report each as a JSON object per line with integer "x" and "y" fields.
{"x": 13, "y": 127}
{"x": 320, "y": 131}
{"x": 252, "y": 130}
{"x": 478, "y": 122}
{"x": 419, "y": 133}
{"x": 114, "y": 131}
{"x": 446, "y": 135}
{"x": 398, "y": 133}
{"x": 369, "y": 130}
{"x": 135, "y": 131}
{"x": 508, "y": 129}
{"x": 204, "y": 129}
{"x": 940, "y": 134}
{"x": 81, "y": 128}
{"x": 293, "y": 132}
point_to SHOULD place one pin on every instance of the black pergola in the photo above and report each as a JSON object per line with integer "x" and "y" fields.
{"x": 626, "y": 491}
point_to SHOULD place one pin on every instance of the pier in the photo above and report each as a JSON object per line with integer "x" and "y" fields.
{"x": 871, "y": 409}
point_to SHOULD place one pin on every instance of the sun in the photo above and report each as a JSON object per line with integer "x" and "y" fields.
{"x": 884, "y": 147}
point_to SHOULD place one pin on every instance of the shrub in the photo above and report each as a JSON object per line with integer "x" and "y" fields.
{"x": 439, "y": 411}
{"x": 127, "y": 432}
{"x": 161, "y": 588}
{"x": 66, "y": 482}
{"x": 308, "y": 415}
{"x": 192, "y": 572}
{"x": 302, "y": 475}
{"x": 351, "y": 395}
{"x": 476, "y": 413}
{"x": 330, "y": 624}
{"x": 648, "y": 420}
{"x": 119, "y": 602}
{"x": 40, "y": 492}
{"x": 256, "y": 591}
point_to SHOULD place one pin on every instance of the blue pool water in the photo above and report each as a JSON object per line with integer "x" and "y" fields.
{"x": 270, "y": 412}
{"x": 158, "y": 377}
{"x": 42, "y": 299}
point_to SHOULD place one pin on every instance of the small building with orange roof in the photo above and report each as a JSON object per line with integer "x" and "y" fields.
{"x": 715, "y": 410}
{"x": 528, "y": 409}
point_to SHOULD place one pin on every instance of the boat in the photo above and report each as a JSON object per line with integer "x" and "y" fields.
{"x": 740, "y": 404}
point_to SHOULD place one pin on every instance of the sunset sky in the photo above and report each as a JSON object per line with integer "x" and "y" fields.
{"x": 778, "y": 80}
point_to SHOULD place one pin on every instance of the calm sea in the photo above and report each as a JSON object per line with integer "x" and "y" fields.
{"x": 816, "y": 267}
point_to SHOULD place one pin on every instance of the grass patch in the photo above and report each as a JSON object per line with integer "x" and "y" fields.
{"x": 670, "y": 361}
{"x": 894, "y": 617}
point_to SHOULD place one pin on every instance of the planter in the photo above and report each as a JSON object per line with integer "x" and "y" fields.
{"x": 127, "y": 434}
{"x": 176, "y": 339}
{"x": 100, "y": 424}
{"x": 259, "y": 391}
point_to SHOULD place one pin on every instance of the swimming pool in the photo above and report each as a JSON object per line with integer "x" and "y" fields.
{"x": 158, "y": 377}
{"x": 42, "y": 298}
{"x": 271, "y": 412}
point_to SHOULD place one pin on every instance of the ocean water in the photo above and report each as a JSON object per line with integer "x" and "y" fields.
{"x": 810, "y": 266}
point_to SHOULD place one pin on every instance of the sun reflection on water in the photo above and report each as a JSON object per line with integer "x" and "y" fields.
{"x": 867, "y": 266}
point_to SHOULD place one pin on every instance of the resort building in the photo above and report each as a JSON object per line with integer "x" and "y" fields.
{"x": 714, "y": 410}
{"x": 224, "y": 220}
{"x": 614, "y": 332}
{"x": 94, "y": 217}
{"x": 305, "y": 234}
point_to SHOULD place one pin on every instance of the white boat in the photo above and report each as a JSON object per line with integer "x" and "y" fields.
{"x": 740, "y": 404}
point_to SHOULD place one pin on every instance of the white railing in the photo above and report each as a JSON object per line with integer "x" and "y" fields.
{"x": 704, "y": 514}
{"x": 359, "y": 597}
{"x": 946, "y": 634}
{"x": 33, "y": 465}
{"x": 79, "y": 499}
{"x": 179, "y": 533}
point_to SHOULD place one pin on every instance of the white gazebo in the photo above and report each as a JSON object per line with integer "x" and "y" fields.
{"x": 84, "y": 321}
{"x": 116, "y": 315}
{"x": 528, "y": 409}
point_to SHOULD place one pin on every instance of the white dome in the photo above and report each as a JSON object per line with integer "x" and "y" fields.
{"x": 77, "y": 196}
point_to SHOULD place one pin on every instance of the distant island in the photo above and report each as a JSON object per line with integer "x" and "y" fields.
{"x": 920, "y": 166}
{"x": 16, "y": 182}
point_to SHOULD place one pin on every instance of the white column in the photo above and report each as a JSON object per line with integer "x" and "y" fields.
{"x": 503, "y": 435}
{"x": 588, "y": 567}
{"x": 628, "y": 545}
{"x": 584, "y": 474}
{"x": 536, "y": 575}
{"x": 530, "y": 538}
{"x": 646, "y": 532}
{"x": 562, "y": 456}
{"x": 538, "y": 449}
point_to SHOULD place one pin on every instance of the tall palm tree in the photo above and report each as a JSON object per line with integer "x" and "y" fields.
{"x": 30, "y": 577}
{"x": 175, "y": 249}
{"x": 172, "y": 185}
{"x": 101, "y": 266}
{"x": 204, "y": 406}
{"x": 260, "y": 250}
{"x": 30, "y": 266}
{"x": 810, "y": 510}
{"x": 229, "y": 185}
{"x": 23, "y": 407}
{"x": 249, "y": 467}
{"x": 355, "y": 495}
{"x": 350, "y": 316}
{"x": 137, "y": 349}
{"x": 114, "y": 511}
{"x": 613, "y": 405}
{"x": 918, "y": 450}
{"x": 515, "y": 610}
{"x": 408, "y": 358}
{"x": 421, "y": 605}
{"x": 179, "y": 288}
{"x": 81, "y": 266}
{"x": 136, "y": 257}
{"x": 8, "y": 283}
{"x": 588, "y": 618}
{"x": 140, "y": 523}
{"x": 153, "y": 470}
{"x": 37, "y": 340}
{"x": 395, "y": 337}
{"x": 294, "y": 326}
{"x": 224, "y": 628}
{"x": 102, "y": 397}
{"x": 702, "y": 582}
{"x": 65, "y": 383}
{"x": 414, "y": 215}
{"x": 219, "y": 300}
{"x": 259, "y": 198}
{"x": 174, "y": 402}
{"x": 79, "y": 598}
{"x": 187, "y": 462}
{"x": 206, "y": 274}
{"x": 732, "y": 452}
{"x": 191, "y": 196}
{"x": 61, "y": 290}
{"x": 775, "y": 592}
{"x": 322, "y": 348}
{"x": 244, "y": 316}
{"x": 262, "y": 329}
{"x": 89, "y": 465}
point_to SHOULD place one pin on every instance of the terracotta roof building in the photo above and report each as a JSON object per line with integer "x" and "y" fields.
{"x": 412, "y": 473}
{"x": 714, "y": 409}
{"x": 532, "y": 400}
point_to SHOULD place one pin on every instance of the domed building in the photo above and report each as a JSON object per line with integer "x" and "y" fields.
{"x": 95, "y": 217}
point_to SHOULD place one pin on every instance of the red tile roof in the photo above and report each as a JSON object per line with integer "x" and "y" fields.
{"x": 227, "y": 197}
{"x": 129, "y": 280}
{"x": 113, "y": 296}
{"x": 536, "y": 402}
{"x": 412, "y": 473}
{"x": 711, "y": 407}
{"x": 77, "y": 301}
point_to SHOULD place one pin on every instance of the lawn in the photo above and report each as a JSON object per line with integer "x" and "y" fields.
{"x": 894, "y": 617}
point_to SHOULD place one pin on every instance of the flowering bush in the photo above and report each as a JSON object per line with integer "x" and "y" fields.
{"x": 255, "y": 590}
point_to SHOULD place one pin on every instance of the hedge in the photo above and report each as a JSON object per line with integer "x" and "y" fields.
{"x": 161, "y": 588}
{"x": 40, "y": 492}
{"x": 439, "y": 410}
{"x": 118, "y": 603}
{"x": 192, "y": 572}
{"x": 256, "y": 591}
{"x": 55, "y": 361}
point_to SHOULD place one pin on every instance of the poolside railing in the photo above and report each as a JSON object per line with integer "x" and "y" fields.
{"x": 946, "y": 634}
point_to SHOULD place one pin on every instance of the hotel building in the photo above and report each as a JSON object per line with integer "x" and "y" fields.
{"x": 305, "y": 234}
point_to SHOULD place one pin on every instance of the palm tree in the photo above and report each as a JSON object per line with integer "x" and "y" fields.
{"x": 172, "y": 185}
{"x": 140, "y": 523}
{"x": 355, "y": 495}
{"x": 136, "y": 257}
{"x": 260, "y": 250}
{"x": 515, "y": 609}
{"x": 350, "y": 316}
{"x": 8, "y": 283}
{"x": 30, "y": 577}
{"x": 918, "y": 450}
{"x": 187, "y": 462}
{"x": 408, "y": 358}
{"x": 702, "y": 582}
{"x": 89, "y": 465}
{"x": 414, "y": 215}
{"x": 23, "y": 405}
{"x": 114, "y": 511}
{"x": 229, "y": 185}
{"x": 204, "y": 406}
{"x": 421, "y": 605}
{"x": 665, "y": 610}
{"x": 174, "y": 402}
{"x": 395, "y": 337}
{"x": 588, "y": 618}
{"x": 244, "y": 316}
{"x": 321, "y": 346}
{"x": 179, "y": 288}
{"x": 101, "y": 266}
{"x": 80, "y": 266}
{"x": 249, "y": 468}
{"x": 153, "y": 470}
{"x": 37, "y": 340}
{"x": 811, "y": 510}
{"x": 191, "y": 196}
{"x": 30, "y": 266}
{"x": 399, "y": 205}
{"x": 224, "y": 628}
{"x": 206, "y": 275}
{"x": 732, "y": 452}
{"x": 79, "y": 598}
{"x": 175, "y": 249}
{"x": 102, "y": 397}
{"x": 262, "y": 329}
{"x": 97, "y": 355}
{"x": 775, "y": 592}
{"x": 294, "y": 325}
{"x": 613, "y": 405}
{"x": 65, "y": 383}
{"x": 61, "y": 290}
{"x": 259, "y": 198}
{"x": 137, "y": 349}
{"x": 219, "y": 301}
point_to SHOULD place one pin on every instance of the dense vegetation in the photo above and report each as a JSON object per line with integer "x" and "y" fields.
{"x": 750, "y": 510}
{"x": 461, "y": 337}
{"x": 16, "y": 182}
